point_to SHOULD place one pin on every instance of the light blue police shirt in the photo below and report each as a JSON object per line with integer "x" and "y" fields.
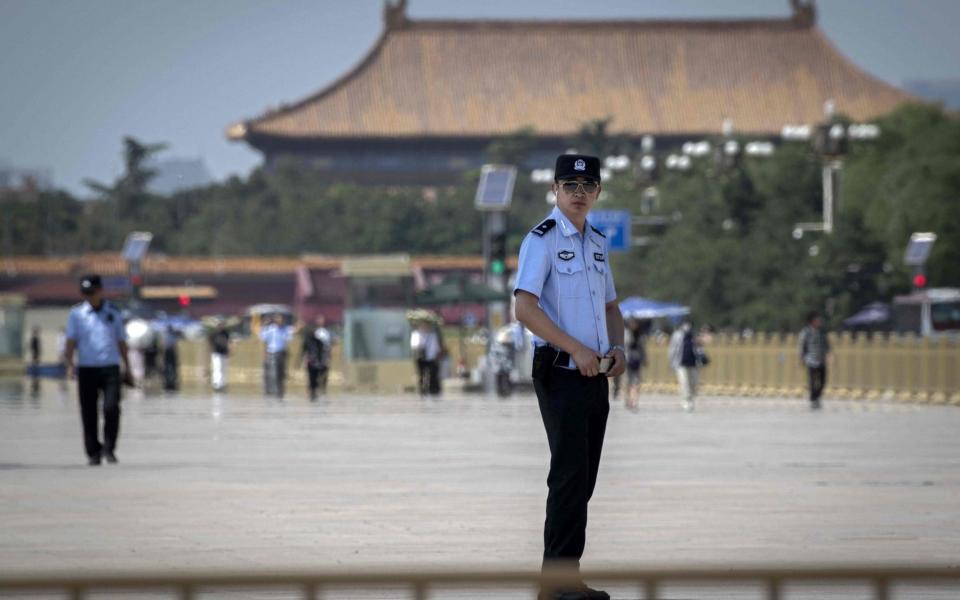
{"x": 276, "y": 337}
{"x": 96, "y": 333}
{"x": 570, "y": 275}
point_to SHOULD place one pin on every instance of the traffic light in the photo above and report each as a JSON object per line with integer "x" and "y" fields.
{"x": 498, "y": 253}
{"x": 919, "y": 281}
{"x": 184, "y": 300}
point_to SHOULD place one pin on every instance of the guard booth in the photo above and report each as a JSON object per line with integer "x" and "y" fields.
{"x": 376, "y": 334}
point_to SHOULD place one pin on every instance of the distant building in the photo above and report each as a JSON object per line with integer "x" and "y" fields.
{"x": 945, "y": 91}
{"x": 431, "y": 95}
{"x": 229, "y": 285}
{"x": 175, "y": 174}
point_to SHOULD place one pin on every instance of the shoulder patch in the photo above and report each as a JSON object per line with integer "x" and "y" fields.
{"x": 544, "y": 227}
{"x": 598, "y": 232}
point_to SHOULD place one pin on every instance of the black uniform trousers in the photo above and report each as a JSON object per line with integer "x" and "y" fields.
{"x": 428, "y": 376}
{"x": 91, "y": 381}
{"x": 574, "y": 409}
{"x": 817, "y": 377}
{"x": 317, "y": 378}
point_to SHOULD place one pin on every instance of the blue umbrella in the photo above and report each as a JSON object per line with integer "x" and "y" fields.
{"x": 645, "y": 308}
{"x": 874, "y": 313}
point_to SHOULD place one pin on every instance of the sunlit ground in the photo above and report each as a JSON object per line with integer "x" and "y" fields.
{"x": 242, "y": 482}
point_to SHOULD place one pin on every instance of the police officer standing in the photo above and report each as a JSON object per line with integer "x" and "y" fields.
{"x": 566, "y": 297}
{"x": 95, "y": 330}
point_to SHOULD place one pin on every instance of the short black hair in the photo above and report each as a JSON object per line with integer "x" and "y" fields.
{"x": 813, "y": 314}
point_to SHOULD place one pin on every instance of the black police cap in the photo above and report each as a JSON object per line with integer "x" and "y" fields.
{"x": 89, "y": 283}
{"x": 571, "y": 166}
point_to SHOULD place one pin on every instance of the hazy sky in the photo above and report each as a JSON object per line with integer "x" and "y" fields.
{"x": 78, "y": 75}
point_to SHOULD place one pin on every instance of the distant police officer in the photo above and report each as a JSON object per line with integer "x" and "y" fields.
{"x": 95, "y": 330}
{"x": 566, "y": 297}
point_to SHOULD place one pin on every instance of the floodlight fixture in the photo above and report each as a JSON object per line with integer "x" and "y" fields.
{"x": 727, "y": 127}
{"x": 863, "y": 131}
{"x": 701, "y": 148}
{"x": 541, "y": 175}
{"x": 795, "y": 133}
{"x": 678, "y": 162}
{"x": 759, "y": 149}
{"x": 647, "y": 143}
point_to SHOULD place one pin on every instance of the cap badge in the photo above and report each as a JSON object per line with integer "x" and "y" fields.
{"x": 579, "y": 165}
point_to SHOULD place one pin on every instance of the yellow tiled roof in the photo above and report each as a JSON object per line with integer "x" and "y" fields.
{"x": 484, "y": 78}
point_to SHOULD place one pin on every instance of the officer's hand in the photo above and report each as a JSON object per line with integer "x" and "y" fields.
{"x": 619, "y": 363}
{"x": 71, "y": 372}
{"x": 587, "y": 361}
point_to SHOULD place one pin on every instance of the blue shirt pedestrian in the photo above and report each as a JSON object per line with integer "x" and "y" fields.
{"x": 276, "y": 337}
{"x": 96, "y": 334}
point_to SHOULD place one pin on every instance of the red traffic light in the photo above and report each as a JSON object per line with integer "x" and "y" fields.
{"x": 184, "y": 300}
{"x": 919, "y": 281}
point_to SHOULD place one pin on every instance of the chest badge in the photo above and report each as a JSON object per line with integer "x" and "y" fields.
{"x": 598, "y": 256}
{"x": 565, "y": 255}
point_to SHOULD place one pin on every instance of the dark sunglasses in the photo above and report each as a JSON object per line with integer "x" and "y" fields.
{"x": 571, "y": 187}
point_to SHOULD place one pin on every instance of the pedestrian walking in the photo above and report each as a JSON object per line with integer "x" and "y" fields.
{"x": 636, "y": 360}
{"x": 95, "y": 330}
{"x": 814, "y": 349}
{"x": 275, "y": 337}
{"x": 171, "y": 375}
{"x": 566, "y": 297}
{"x": 35, "y": 348}
{"x": 427, "y": 353}
{"x": 685, "y": 358}
{"x": 315, "y": 356}
{"x": 219, "y": 341}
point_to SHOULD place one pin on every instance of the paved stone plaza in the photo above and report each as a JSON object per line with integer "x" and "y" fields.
{"x": 238, "y": 482}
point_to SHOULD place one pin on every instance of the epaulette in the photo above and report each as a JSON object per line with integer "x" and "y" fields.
{"x": 544, "y": 227}
{"x": 600, "y": 233}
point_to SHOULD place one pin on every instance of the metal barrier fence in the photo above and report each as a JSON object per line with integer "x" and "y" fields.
{"x": 891, "y": 367}
{"x": 772, "y": 582}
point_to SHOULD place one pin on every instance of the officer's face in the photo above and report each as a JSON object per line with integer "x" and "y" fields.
{"x": 93, "y": 296}
{"x": 577, "y": 203}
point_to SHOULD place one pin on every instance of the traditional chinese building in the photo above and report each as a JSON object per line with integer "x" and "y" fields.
{"x": 431, "y": 95}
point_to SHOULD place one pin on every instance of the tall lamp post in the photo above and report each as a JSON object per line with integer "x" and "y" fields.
{"x": 831, "y": 142}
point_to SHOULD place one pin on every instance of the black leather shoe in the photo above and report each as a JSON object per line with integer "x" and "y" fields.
{"x": 109, "y": 456}
{"x": 567, "y": 595}
{"x": 93, "y": 461}
{"x": 593, "y": 594}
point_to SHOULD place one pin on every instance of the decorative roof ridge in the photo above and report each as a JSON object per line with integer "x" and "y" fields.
{"x": 791, "y": 22}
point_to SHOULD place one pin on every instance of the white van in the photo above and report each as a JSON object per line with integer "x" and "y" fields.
{"x": 928, "y": 313}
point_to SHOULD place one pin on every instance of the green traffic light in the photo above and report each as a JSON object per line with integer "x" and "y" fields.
{"x": 497, "y": 267}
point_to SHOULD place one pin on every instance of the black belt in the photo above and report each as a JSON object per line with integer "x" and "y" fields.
{"x": 551, "y": 356}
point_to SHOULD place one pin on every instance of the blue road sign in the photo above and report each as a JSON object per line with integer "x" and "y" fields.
{"x": 615, "y": 224}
